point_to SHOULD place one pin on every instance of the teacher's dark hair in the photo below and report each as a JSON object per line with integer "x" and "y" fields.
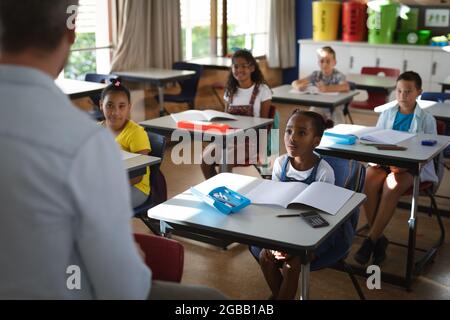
{"x": 34, "y": 24}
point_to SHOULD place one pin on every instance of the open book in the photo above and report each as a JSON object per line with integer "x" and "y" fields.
{"x": 313, "y": 90}
{"x": 372, "y": 134}
{"x": 320, "y": 195}
{"x": 201, "y": 115}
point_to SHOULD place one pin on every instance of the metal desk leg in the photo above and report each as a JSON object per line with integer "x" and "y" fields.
{"x": 304, "y": 281}
{"x": 223, "y": 166}
{"x": 162, "y": 110}
{"x": 412, "y": 233}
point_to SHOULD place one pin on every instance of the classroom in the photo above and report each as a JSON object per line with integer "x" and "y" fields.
{"x": 225, "y": 150}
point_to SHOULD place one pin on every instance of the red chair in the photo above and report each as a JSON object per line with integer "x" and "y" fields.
{"x": 377, "y": 97}
{"x": 165, "y": 257}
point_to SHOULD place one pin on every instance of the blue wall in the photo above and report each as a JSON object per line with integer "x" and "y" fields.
{"x": 303, "y": 30}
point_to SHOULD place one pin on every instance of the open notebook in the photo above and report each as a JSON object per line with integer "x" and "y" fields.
{"x": 201, "y": 115}
{"x": 313, "y": 90}
{"x": 320, "y": 195}
{"x": 372, "y": 134}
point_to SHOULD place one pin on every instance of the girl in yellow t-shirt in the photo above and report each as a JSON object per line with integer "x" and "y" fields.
{"x": 116, "y": 105}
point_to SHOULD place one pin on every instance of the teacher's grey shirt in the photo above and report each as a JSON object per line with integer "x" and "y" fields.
{"x": 64, "y": 196}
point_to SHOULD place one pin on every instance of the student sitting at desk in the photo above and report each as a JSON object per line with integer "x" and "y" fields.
{"x": 304, "y": 131}
{"x": 327, "y": 79}
{"x": 116, "y": 105}
{"x": 247, "y": 94}
{"x": 385, "y": 185}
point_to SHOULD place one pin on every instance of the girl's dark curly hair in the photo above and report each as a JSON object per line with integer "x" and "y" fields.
{"x": 257, "y": 76}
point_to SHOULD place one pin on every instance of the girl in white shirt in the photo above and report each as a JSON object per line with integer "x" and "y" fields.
{"x": 247, "y": 94}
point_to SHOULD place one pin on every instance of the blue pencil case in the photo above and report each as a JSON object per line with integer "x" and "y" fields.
{"x": 223, "y": 199}
{"x": 340, "y": 138}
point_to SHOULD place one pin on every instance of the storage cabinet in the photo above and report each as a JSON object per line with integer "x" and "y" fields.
{"x": 432, "y": 63}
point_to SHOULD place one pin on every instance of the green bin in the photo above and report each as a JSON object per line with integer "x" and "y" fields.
{"x": 382, "y": 23}
{"x": 412, "y": 21}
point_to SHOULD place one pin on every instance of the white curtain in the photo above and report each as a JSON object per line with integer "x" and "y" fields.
{"x": 146, "y": 33}
{"x": 282, "y": 42}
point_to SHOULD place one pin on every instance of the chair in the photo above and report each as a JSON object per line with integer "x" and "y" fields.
{"x": 435, "y": 96}
{"x": 376, "y": 97}
{"x": 99, "y": 78}
{"x": 349, "y": 174}
{"x": 165, "y": 257}
{"x": 429, "y": 189}
{"x": 188, "y": 86}
{"x": 158, "y": 184}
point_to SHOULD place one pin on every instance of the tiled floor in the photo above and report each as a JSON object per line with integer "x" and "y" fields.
{"x": 237, "y": 274}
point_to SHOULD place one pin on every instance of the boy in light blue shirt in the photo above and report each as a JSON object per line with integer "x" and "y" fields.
{"x": 385, "y": 185}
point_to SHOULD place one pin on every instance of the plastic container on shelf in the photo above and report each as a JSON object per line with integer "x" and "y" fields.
{"x": 354, "y": 17}
{"x": 382, "y": 23}
{"x": 440, "y": 41}
{"x": 424, "y": 37}
{"x": 326, "y": 16}
{"x": 412, "y": 21}
{"x": 406, "y": 37}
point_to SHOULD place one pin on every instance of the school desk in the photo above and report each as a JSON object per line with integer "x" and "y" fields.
{"x": 372, "y": 82}
{"x": 282, "y": 94}
{"x": 413, "y": 159}
{"x": 137, "y": 166}
{"x": 220, "y": 63}
{"x": 255, "y": 224}
{"x": 78, "y": 89}
{"x": 157, "y": 77}
{"x": 166, "y": 125}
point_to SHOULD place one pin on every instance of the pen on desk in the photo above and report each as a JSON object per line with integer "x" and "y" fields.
{"x": 289, "y": 215}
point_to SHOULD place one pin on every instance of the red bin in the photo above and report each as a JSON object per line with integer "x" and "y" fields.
{"x": 354, "y": 17}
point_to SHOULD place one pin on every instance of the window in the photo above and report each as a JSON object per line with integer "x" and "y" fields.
{"x": 195, "y": 27}
{"x": 91, "y": 51}
{"x": 247, "y": 26}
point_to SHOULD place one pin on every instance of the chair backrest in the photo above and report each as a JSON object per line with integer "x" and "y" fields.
{"x": 376, "y": 71}
{"x": 158, "y": 182}
{"x": 189, "y": 86}
{"x": 165, "y": 257}
{"x": 349, "y": 174}
{"x": 99, "y": 78}
{"x": 435, "y": 96}
{"x": 376, "y": 97}
{"x": 158, "y": 145}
